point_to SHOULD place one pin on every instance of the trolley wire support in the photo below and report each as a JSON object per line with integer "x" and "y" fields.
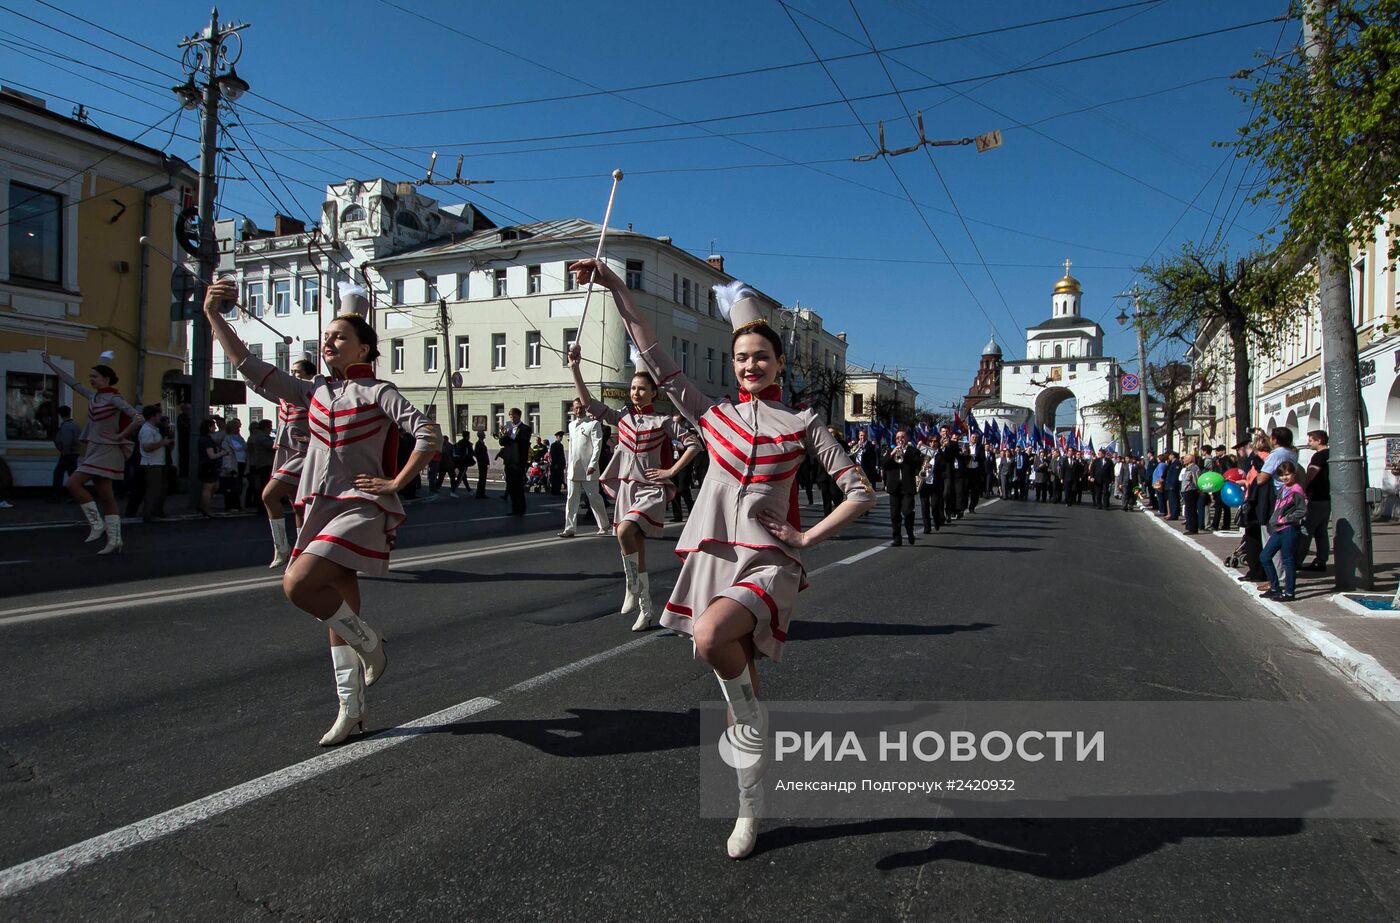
{"x": 985, "y": 142}
{"x": 456, "y": 180}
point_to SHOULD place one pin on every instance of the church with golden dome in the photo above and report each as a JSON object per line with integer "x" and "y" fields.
{"x": 1064, "y": 362}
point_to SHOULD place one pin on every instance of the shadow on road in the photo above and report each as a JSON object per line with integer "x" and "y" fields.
{"x": 591, "y": 731}
{"x": 801, "y": 630}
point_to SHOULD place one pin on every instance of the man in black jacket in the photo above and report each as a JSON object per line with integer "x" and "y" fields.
{"x": 1101, "y": 479}
{"x": 901, "y": 465}
{"x": 515, "y": 438}
{"x": 975, "y": 473}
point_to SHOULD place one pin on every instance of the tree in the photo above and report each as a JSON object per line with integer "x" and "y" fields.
{"x": 890, "y": 411}
{"x": 1255, "y": 298}
{"x": 1178, "y": 383}
{"x": 1123, "y": 414}
{"x": 819, "y": 386}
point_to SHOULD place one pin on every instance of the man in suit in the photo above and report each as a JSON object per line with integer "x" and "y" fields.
{"x": 975, "y": 473}
{"x": 1074, "y": 478}
{"x": 583, "y": 469}
{"x": 515, "y": 438}
{"x": 864, "y": 453}
{"x": 1129, "y": 477}
{"x": 953, "y": 461}
{"x": 1006, "y": 473}
{"x": 900, "y": 466}
{"x": 558, "y": 461}
{"x": 1171, "y": 484}
{"x": 1101, "y": 479}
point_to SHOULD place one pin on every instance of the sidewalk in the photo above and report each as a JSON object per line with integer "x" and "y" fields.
{"x": 1362, "y": 643}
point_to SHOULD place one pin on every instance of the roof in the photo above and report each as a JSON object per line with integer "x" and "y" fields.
{"x": 126, "y": 145}
{"x": 991, "y": 349}
{"x": 1065, "y": 323}
{"x": 539, "y": 233}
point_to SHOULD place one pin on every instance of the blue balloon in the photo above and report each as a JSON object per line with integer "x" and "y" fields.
{"x": 1232, "y": 494}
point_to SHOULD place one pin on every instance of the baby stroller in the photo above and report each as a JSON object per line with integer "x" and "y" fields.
{"x": 1236, "y": 558}
{"x": 537, "y": 477}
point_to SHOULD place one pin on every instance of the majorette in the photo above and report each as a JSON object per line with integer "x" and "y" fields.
{"x": 638, "y": 479}
{"x": 742, "y": 544}
{"x": 107, "y": 446}
{"x": 348, "y": 491}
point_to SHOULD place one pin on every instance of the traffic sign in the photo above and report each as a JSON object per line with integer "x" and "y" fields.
{"x": 1129, "y": 383}
{"x": 456, "y": 379}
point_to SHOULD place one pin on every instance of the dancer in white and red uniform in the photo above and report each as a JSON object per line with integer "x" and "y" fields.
{"x": 287, "y": 460}
{"x": 742, "y": 544}
{"x": 107, "y": 446}
{"x": 348, "y": 490}
{"x": 639, "y": 480}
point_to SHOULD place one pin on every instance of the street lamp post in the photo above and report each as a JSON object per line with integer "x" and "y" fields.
{"x": 1146, "y": 421}
{"x": 207, "y": 57}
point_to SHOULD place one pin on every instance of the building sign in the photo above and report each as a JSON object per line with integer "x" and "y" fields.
{"x": 1273, "y": 407}
{"x": 479, "y": 422}
{"x": 619, "y": 394}
{"x": 1392, "y": 452}
{"x": 1308, "y": 394}
{"x": 1367, "y": 368}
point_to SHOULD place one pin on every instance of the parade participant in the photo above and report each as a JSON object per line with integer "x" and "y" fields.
{"x": 930, "y": 487}
{"x": 585, "y": 447}
{"x": 348, "y": 492}
{"x": 900, "y": 464}
{"x": 288, "y": 459}
{"x": 638, "y": 478}
{"x": 111, "y": 423}
{"x": 742, "y": 545}
{"x": 483, "y": 461}
{"x": 975, "y": 471}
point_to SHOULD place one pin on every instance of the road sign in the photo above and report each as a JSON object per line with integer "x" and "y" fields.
{"x": 1129, "y": 383}
{"x": 456, "y": 379}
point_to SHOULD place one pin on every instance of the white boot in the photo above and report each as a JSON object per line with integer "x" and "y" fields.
{"x": 750, "y": 723}
{"x": 646, "y": 615}
{"x": 94, "y": 519}
{"x": 350, "y": 688}
{"x": 114, "y": 535}
{"x": 283, "y": 549}
{"x": 629, "y": 572}
{"x": 363, "y": 639}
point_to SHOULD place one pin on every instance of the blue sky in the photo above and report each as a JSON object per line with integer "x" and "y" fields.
{"x": 1098, "y": 177}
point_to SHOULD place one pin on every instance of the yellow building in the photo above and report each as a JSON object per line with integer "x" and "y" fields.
{"x": 74, "y": 202}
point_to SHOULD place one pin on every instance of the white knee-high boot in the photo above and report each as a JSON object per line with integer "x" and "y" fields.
{"x": 629, "y": 572}
{"x": 646, "y": 610}
{"x": 114, "y": 535}
{"x": 363, "y": 639}
{"x": 751, "y": 728}
{"x": 94, "y": 518}
{"x": 282, "y": 548}
{"x": 350, "y": 689}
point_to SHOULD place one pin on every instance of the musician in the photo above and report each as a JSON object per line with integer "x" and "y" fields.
{"x": 931, "y": 486}
{"x": 864, "y": 453}
{"x": 901, "y": 465}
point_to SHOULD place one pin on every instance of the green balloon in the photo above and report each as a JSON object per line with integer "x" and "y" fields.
{"x": 1210, "y": 482}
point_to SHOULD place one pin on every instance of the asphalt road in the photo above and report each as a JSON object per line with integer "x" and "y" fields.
{"x": 567, "y": 789}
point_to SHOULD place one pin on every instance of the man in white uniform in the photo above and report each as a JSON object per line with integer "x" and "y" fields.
{"x": 585, "y": 448}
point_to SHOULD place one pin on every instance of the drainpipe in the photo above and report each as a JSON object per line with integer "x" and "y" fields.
{"x": 141, "y": 312}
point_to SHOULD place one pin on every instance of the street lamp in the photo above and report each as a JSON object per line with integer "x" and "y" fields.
{"x": 1136, "y": 317}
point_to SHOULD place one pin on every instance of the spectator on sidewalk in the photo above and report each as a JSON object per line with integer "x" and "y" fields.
{"x": 261, "y": 450}
{"x": 1280, "y": 450}
{"x": 1289, "y": 511}
{"x": 558, "y": 464}
{"x": 461, "y": 454}
{"x": 1190, "y": 493}
{"x": 235, "y": 464}
{"x": 1259, "y": 497}
{"x": 152, "y": 442}
{"x": 1319, "y": 493}
{"x": 210, "y": 462}
{"x": 66, "y": 441}
{"x": 1171, "y": 480}
{"x": 483, "y": 461}
{"x": 1219, "y": 512}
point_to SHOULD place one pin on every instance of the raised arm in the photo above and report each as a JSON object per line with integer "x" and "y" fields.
{"x": 221, "y": 291}
{"x": 687, "y": 398}
{"x": 67, "y": 379}
{"x": 265, "y": 378}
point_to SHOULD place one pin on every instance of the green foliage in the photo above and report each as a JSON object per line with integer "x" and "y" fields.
{"x": 1123, "y": 413}
{"x": 1330, "y": 140}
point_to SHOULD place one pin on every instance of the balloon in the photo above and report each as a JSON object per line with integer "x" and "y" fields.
{"x": 1232, "y": 494}
{"x": 1210, "y": 482}
{"x": 1233, "y": 475}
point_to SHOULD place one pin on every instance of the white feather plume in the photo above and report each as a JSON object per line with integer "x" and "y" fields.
{"x": 109, "y": 355}
{"x": 352, "y": 288}
{"x": 726, "y": 296}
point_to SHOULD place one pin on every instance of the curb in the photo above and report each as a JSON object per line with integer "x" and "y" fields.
{"x": 1362, "y": 669}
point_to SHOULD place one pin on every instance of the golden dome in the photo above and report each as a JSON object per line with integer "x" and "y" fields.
{"x": 1069, "y": 285}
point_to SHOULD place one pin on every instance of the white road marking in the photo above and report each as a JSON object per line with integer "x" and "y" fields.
{"x": 3, "y": 563}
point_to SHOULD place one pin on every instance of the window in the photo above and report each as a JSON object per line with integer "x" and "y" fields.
{"x": 410, "y": 221}
{"x": 353, "y": 213}
{"x": 498, "y": 413}
{"x": 532, "y": 416}
{"x": 464, "y": 286}
{"x": 498, "y": 350}
{"x": 430, "y": 354}
{"x": 675, "y": 350}
{"x": 255, "y": 414}
{"x": 228, "y": 366}
{"x": 255, "y": 350}
{"x": 685, "y": 292}
{"x": 675, "y": 286}
{"x": 253, "y": 301}
{"x": 570, "y": 280}
{"x": 532, "y": 349}
{"x": 464, "y": 353}
{"x": 399, "y": 286}
{"x": 396, "y": 355}
{"x": 500, "y": 280}
{"x": 635, "y": 269}
{"x": 714, "y": 303}
{"x": 1358, "y": 288}
{"x": 570, "y": 338}
{"x": 532, "y": 277}
{"x": 31, "y": 402}
{"x": 310, "y": 295}
{"x": 282, "y": 298}
{"x": 565, "y": 415}
{"x": 685, "y": 356}
{"x": 283, "y": 354}
{"x": 36, "y": 234}
{"x": 724, "y": 368}
{"x": 710, "y": 364}
{"x": 857, "y": 404}
{"x": 1059, "y": 351}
